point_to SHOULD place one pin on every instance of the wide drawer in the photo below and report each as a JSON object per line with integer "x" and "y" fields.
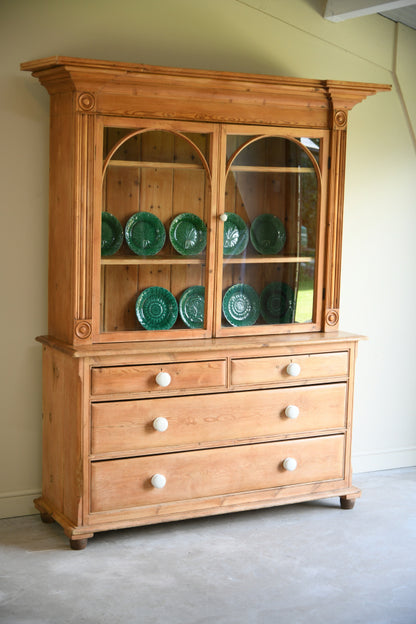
{"x": 124, "y": 483}
{"x": 142, "y": 378}
{"x": 267, "y": 370}
{"x": 192, "y": 421}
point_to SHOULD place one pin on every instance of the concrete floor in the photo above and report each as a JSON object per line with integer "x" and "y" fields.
{"x": 301, "y": 564}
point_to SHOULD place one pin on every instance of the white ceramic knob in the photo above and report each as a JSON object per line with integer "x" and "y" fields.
{"x": 292, "y": 411}
{"x": 158, "y": 481}
{"x": 163, "y": 379}
{"x": 293, "y": 369}
{"x": 223, "y": 217}
{"x": 160, "y": 423}
{"x": 290, "y": 464}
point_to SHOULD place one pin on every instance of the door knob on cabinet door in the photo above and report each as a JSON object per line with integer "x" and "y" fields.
{"x": 293, "y": 369}
{"x": 163, "y": 379}
{"x": 290, "y": 464}
{"x": 158, "y": 481}
{"x": 160, "y": 423}
{"x": 224, "y": 217}
{"x": 292, "y": 411}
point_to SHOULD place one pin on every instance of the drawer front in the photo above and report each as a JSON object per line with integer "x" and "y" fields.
{"x": 124, "y": 483}
{"x": 254, "y": 371}
{"x": 136, "y": 379}
{"x": 131, "y": 426}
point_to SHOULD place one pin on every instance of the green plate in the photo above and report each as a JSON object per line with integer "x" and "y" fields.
{"x": 145, "y": 234}
{"x": 267, "y": 234}
{"x": 241, "y": 305}
{"x": 156, "y": 308}
{"x": 111, "y": 234}
{"x": 192, "y": 306}
{"x": 235, "y": 235}
{"x": 188, "y": 234}
{"x": 277, "y": 303}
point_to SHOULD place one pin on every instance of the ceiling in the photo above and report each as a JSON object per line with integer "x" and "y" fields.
{"x": 402, "y": 11}
{"x": 405, "y": 15}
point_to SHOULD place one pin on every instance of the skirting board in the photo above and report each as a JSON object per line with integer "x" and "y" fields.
{"x": 13, "y": 504}
{"x": 387, "y": 459}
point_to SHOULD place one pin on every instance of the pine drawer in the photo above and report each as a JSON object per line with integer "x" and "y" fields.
{"x": 127, "y": 427}
{"x": 293, "y": 368}
{"x": 142, "y": 378}
{"x": 126, "y": 483}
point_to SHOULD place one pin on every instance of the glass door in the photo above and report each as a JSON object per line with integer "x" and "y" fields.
{"x": 156, "y": 235}
{"x": 271, "y": 235}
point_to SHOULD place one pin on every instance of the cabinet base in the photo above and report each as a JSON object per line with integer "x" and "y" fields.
{"x": 347, "y": 502}
{"x": 79, "y": 535}
{"x": 46, "y": 517}
{"x": 78, "y": 544}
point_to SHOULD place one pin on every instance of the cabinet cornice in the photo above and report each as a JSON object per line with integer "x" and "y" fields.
{"x": 220, "y": 96}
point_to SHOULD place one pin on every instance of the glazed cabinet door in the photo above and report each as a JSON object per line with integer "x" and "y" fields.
{"x": 154, "y": 275}
{"x": 271, "y": 232}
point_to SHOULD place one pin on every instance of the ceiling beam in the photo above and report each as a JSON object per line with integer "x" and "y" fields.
{"x": 340, "y": 10}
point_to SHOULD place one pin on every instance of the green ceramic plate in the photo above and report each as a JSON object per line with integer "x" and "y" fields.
{"x": 192, "y": 306}
{"x": 235, "y": 235}
{"x": 267, "y": 234}
{"x": 277, "y": 303}
{"x": 145, "y": 234}
{"x": 188, "y": 234}
{"x": 156, "y": 308}
{"x": 241, "y": 305}
{"x": 111, "y": 234}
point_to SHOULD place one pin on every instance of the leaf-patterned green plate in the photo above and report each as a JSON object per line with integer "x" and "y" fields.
{"x": 241, "y": 305}
{"x": 145, "y": 234}
{"x": 156, "y": 308}
{"x": 267, "y": 234}
{"x": 188, "y": 234}
{"x": 235, "y": 235}
{"x": 192, "y": 306}
{"x": 277, "y": 303}
{"x": 111, "y": 234}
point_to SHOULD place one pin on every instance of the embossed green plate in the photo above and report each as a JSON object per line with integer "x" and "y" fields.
{"x": 192, "y": 306}
{"x": 145, "y": 234}
{"x": 277, "y": 303}
{"x": 241, "y": 305}
{"x": 235, "y": 235}
{"x": 156, "y": 308}
{"x": 267, "y": 234}
{"x": 188, "y": 234}
{"x": 111, "y": 234}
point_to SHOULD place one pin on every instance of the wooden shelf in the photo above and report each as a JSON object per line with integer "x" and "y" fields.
{"x": 154, "y": 165}
{"x": 257, "y": 169}
{"x": 176, "y": 165}
{"x": 267, "y": 260}
{"x": 168, "y": 260}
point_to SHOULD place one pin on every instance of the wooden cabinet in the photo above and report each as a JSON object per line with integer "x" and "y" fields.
{"x": 193, "y": 363}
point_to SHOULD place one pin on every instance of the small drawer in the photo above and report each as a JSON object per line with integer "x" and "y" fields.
{"x": 194, "y": 421}
{"x": 144, "y": 378}
{"x": 268, "y": 370}
{"x": 152, "y": 480}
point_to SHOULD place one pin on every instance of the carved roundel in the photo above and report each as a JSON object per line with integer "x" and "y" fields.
{"x": 83, "y": 329}
{"x": 86, "y": 101}
{"x": 332, "y": 318}
{"x": 340, "y": 118}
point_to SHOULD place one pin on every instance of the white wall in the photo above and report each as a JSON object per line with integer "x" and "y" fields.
{"x": 264, "y": 36}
